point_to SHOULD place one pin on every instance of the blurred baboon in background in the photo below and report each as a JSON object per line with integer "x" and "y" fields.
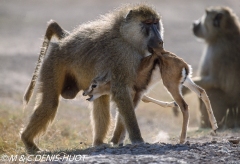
{"x": 116, "y": 43}
{"x": 219, "y": 71}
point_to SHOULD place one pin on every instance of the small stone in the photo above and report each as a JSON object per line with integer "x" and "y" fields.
{"x": 234, "y": 141}
{"x": 214, "y": 142}
{"x": 238, "y": 148}
{"x": 187, "y": 143}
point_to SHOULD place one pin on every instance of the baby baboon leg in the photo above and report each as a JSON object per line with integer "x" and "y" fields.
{"x": 44, "y": 113}
{"x": 100, "y": 119}
{"x": 174, "y": 89}
{"x": 119, "y": 131}
{"x": 164, "y": 104}
{"x": 121, "y": 95}
{"x": 203, "y": 96}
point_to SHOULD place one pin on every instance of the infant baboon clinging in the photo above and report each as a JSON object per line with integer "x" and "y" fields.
{"x": 116, "y": 42}
{"x": 220, "y": 65}
{"x": 174, "y": 72}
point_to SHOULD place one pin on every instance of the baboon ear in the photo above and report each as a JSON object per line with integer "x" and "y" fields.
{"x": 207, "y": 11}
{"x": 129, "y": 15}
{"x": 217, "y": 20}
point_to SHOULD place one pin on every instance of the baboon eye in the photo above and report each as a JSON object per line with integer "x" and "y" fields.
{"x": 156, "y": 22}
{"x": 217, "y": 20}
{"x": 148, "y": 22}
{"x": 94, "y": 86}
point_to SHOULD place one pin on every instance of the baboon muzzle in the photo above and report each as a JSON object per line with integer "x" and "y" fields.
{"x": 156, "y": 41}
{"x": 196, "y": 26}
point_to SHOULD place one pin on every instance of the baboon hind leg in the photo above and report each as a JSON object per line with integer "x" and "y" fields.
{"x": 46, "y": 105}
{"x": 100, "y": 119}
{"x": 119, "y": 131}
{"x": 44, "y": 113}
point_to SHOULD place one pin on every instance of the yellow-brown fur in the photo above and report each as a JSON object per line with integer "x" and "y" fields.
{"x": 219, "y": 70}
{"x": 116, "y": 42}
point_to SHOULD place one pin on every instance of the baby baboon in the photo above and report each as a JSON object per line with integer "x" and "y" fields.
{"x": 220, "y": 65}
{"x": 174, "y": 72}
{"x": 116, "y": 42}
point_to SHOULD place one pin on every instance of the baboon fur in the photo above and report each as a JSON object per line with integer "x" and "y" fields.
{"x": 220, "y": 65}
{"x": 115, "y": 42}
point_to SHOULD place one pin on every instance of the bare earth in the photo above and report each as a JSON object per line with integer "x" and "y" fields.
{"x": 22, "y": 25}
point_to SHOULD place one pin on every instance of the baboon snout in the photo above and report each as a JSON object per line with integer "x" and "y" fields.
{"x": 156, "y": 43}
{"x": 196, "y": 26}
{"x": 160, "y": 43}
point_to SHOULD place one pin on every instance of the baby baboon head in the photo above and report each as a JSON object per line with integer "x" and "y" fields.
{"x": 216, "y": 22}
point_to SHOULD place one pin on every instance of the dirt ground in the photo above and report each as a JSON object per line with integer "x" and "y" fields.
{"x": 22, "y": 26}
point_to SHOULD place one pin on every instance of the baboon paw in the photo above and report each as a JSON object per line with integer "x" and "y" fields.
{"x": 182, "y": 141}
{"x": 104, "y": 145}
{"x": 115, "y": 144}
{"x": 139, "y": 141}
{"x": 34, "y": 150}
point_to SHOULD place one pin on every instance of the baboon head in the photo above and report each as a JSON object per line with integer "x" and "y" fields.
{"x": 144, "y": 26}
{"x": 216, "y": 22}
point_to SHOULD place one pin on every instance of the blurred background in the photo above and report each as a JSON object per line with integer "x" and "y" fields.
{"x": 22, "y": 26}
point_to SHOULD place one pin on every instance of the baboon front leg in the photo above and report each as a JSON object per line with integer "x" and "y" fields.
{"x": 100, "y": 119}
{"x": 174, "y": 89}
{"x": 120, "y": 130}
{"x": 45, "y": 110}
{"x": 123, "y": 99}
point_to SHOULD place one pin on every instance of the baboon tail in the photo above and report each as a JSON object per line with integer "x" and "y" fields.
{"x": 52, "y": 29}
{"x": 55, "y": 29}
{"x": 31, "y": 86}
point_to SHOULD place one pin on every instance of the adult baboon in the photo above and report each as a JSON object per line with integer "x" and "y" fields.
{"x": 116, "y": 42}
{"x": 220, "y": 65}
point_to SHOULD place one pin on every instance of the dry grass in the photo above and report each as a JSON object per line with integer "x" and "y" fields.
{"x": 71, "y": 128}
{"x": 22, "y": 27}
{"x": 66, "y": 132}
